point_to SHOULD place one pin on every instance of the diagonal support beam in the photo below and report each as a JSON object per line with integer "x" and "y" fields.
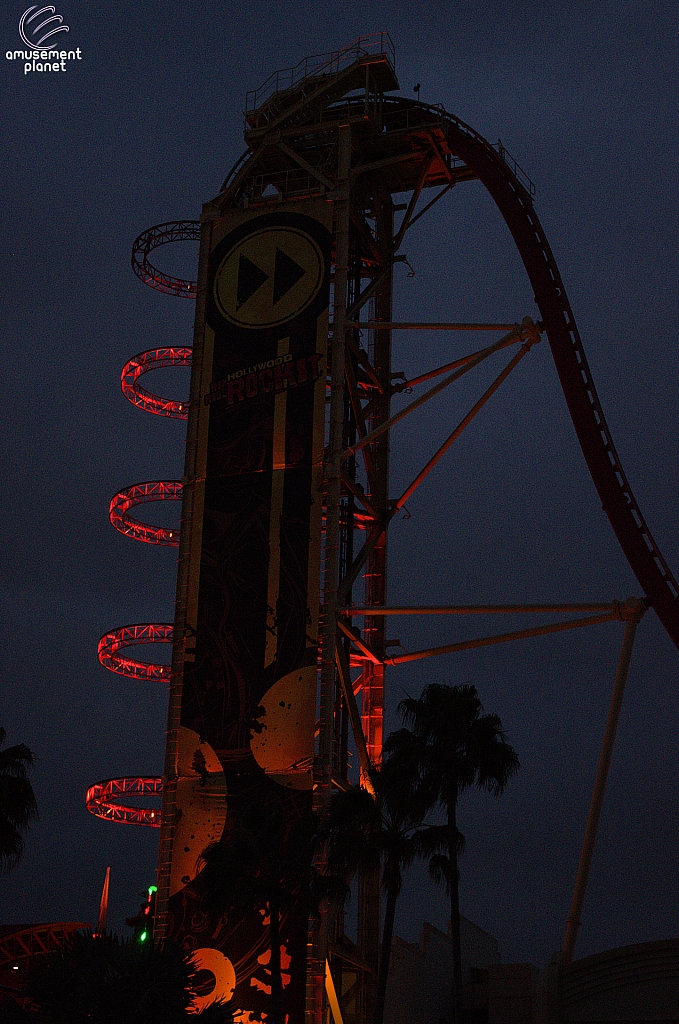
{"x": 466, "y": 420}
{"x": 359, "y": 643}
{"x": 402, "y": 413}
{"x": 332, "y": 995}
{"x": 424, "y": 377}
{"x": 633, "y": 611}
{"x": 355, "y": 719}
{"x": 366, "y": 294}
{"x": 410, "y": 220}
{"x": 366, "y": 365}
{"x": 413, "y": 201}
{"x": 304, "y": 164}
{"x": 425, "y": 209}
{"x": 358, "y": 492}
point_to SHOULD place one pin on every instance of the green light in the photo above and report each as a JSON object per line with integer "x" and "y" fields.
{"x": 143, "y": 937}
{"x": 153, "y": 888}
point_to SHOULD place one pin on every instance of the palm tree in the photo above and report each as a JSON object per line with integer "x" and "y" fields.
{"x": 265, "y": 864}
{"x": 459, "y": 748}
{"x": 365, "y": 834}
{"x": 17, "y": 802}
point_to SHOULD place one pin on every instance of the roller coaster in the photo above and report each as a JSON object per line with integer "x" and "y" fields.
{"x": 330, "y": 129}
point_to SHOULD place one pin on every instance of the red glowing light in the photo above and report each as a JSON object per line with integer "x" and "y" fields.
{"x": 103, "y": 798}
{"x": 155, "y": 359}
{"x": 127, "y": 636}
{"x": 138, "y": 494}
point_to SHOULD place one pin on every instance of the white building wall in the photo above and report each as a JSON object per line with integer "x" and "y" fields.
{"x": 419, "y": 989}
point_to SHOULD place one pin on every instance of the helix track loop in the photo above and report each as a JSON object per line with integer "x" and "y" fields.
{"x": 118, "y": 639}
{"x": 138, "y": 494}
{"x": 155, "y": 359}
{"x": 102, "y": 800}
{"x": 152, "y": 238}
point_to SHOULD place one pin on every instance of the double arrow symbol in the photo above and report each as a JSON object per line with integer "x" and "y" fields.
{"x": 251, "y": 277}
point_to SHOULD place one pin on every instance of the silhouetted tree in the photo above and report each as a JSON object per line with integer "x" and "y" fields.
{"x": 17, "y": 802}
{"x": 387, "y": 833}
{"x": 264, "y": 864}
{"x": 103, "y": 980}
{"x": 458, "y": 748}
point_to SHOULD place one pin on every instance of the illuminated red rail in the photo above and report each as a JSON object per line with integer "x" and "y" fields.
{"x": 128, "y": 636}
{"x": 155, "y": 359}
{"x": 103, "y": 798}
{"x": 138, "y": 494}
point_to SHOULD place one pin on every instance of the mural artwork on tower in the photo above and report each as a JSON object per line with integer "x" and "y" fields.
{"x": 249, "y": 683}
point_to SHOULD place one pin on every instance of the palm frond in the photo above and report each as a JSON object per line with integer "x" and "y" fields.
{"x": 436, "y": 839}
{"x": 16, "y": 761}
{"x": 11, "y": 846}
{"x": 441, "y": 870}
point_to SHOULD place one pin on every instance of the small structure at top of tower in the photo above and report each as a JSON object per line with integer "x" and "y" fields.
{"x": 368, "y": 63}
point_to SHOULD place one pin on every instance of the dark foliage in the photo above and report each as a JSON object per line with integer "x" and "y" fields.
{"x": 17, "y": 802}
{"x": 265, "y": 863}
{"x": 384, "y": 834}
{"x": 458, "y": 748}
{"x": 103, "y": 980}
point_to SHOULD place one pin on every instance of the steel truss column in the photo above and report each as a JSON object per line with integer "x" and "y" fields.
{"x": 376, "y": 566}
{"x": 375, "y": 576}
{"x": 333, "y": 471}
{"x": 184, "y": 628}
{"x": 316, "y": 964}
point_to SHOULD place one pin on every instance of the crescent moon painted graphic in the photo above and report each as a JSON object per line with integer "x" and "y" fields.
{"x": 212, "y": 960}
{"x": 201, "y": 806}
{"x": 285, "y": 746}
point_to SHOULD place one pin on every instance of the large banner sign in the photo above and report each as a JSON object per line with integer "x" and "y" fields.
{"x": 249, "y": 687}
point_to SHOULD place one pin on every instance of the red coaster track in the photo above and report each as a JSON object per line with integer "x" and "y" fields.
{"x": 152, "y": 238}
{"x": 154, "y": 359}
{"x": 127, "y": 636}
{"x": 515, "y": 203}
{"x": 138, "y": 494}
{"x": 103, "y": 799}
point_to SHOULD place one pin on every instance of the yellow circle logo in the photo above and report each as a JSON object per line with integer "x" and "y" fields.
{"x": 269, "y": 277}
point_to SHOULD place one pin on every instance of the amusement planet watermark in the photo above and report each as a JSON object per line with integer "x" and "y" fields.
{"x": 40, "y": 33}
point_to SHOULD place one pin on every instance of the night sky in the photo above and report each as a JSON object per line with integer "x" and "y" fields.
{"x": 143, "y": 130}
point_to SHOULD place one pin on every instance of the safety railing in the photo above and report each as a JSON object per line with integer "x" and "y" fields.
{"x": 321, "y": 64}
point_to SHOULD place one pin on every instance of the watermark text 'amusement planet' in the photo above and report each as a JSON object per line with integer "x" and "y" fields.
{"x": 44, "y": 60}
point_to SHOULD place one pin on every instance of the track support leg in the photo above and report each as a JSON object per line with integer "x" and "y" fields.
{"x": 632, "y": 612}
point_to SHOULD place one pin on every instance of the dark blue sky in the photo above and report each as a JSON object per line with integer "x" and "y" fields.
{"x": 142, "y": 130}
